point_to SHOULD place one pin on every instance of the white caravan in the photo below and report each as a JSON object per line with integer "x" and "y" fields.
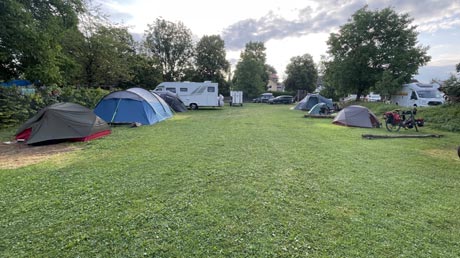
{"x": 194, "y": 94}
{"x": 418, "y": 95}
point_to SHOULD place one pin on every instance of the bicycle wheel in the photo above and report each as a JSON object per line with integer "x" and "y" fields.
{"x": 391, "y": 127}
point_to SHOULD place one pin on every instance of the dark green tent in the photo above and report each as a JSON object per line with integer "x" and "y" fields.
{"x": 62, "y": 121}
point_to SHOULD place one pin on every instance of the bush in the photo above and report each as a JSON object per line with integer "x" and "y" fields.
{"x": 16, "y": 108}
{"x": 451, "y": 88}
{"x": 445, "y": 117}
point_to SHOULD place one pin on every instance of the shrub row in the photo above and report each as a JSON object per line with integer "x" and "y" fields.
{"x": 16, "y": 107}
{"x": 445, "y": 117}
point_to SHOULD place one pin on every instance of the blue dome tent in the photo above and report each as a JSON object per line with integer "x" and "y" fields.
{"x": 134, "y": 105}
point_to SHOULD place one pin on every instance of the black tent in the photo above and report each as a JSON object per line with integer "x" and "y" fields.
{"x": 173, "y": 101}
{"x": 63, "y": 121}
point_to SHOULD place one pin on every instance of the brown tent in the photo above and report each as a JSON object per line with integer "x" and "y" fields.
{"x": 357, "y": 116}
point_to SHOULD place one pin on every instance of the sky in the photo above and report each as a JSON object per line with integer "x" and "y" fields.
{"x": 291, "y": 28}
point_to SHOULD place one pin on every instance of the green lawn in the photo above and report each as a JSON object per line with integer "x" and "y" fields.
{"x": 252, "y": 181}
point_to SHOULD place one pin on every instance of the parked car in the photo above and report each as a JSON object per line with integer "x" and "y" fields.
{"x": 263, "y": 98}
{"x": 284, "y": 99}
{"x": 372, "y": 97}
{"x": 350, "y": 98}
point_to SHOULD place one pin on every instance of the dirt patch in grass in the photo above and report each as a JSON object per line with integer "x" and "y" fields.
{"x": 16, "y": 155}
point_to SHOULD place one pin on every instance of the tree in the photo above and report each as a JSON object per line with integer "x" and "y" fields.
{"x": 301, "y": 74}
{"x": 458, "y": 68}
{"x": 210, "y": 58}
{"x": 250, "y": 74}
{"x": 451, "y": 87}
{"x": 30, "y": 38}
{"x": 372, "y": 51}
{"x": 146, "y": 72}
{"x": 171, "y": 44}
{"x": 106, "y": 52}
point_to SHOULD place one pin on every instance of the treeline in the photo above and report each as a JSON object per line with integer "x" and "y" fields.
{"x": 70, "y": 43}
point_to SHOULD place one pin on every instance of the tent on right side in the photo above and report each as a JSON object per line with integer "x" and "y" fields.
{"x": 356, "y": 116}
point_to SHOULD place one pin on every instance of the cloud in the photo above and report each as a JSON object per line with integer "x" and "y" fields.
{"x": 328, "y": 15}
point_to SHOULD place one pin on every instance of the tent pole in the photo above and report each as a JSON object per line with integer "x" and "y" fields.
{"x": 115, "y": 112}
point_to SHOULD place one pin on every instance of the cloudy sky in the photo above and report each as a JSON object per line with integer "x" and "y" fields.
{"x": 294, "y": 27}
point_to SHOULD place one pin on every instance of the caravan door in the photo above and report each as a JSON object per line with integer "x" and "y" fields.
{"x": 212, "y": 98}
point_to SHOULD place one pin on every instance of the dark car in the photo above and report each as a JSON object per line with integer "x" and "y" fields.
{"x": 263, "y": 98}
{"x": 283, "y": 99}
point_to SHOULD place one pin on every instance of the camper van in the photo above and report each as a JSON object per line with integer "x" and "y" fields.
{"x": 418, "y": 95}
{"x": 194, "y": 94}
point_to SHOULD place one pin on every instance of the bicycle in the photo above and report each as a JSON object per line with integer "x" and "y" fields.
{"x": 396, "y": 119}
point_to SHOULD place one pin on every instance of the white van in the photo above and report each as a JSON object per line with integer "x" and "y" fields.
{"x": 418, "y": 95}
{"x": 194, "y": 94}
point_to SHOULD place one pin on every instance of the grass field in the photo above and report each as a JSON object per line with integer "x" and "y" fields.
{"x": 252, "y": 181}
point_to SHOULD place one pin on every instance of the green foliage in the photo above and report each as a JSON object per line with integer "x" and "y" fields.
{"x": 301, "y": 74}
{"x": 376, "y": 48}
{"x": 451, "y": 88}
{"x": 279, "y": 93}
{"x": 445, "y": 117}
{"x": 146, "y": 72}
{"x": 105, "y": 53}
{"x": 210, "y": 58}
{"x": 31, "y": 34}
{"x": 171, "y": 44}
{"x": 16, "y": 108}
{"x": 257, "y": 181}
{"x": 251, "y": 74}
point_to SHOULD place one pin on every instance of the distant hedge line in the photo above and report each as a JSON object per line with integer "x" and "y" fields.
{"x": 16, "y": 107}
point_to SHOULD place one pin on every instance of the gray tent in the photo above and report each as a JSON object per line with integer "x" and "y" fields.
{"x": 319, "y": 109}
{"x": 357, "y": 116}
{"x": 62, "y": 121}
{"x": 312, "y": 99}
{"x": 173, "y": 100}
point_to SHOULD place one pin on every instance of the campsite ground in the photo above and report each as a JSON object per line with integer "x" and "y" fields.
{"x": 258, "y": 180}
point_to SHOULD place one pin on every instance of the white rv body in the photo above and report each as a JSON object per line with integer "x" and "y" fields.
{"x": 418, "y": 95}
{"x": 193, "y": 94}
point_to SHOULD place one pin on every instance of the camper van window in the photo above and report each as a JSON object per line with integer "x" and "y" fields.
{"x": 173, "y": 90}
{"x": 426, "y": 94}
{"x": 211, "y": 89}
{"x": 413, "y": 95}
{"x": 183, "y": 89}
{"x": 159, "y": 89}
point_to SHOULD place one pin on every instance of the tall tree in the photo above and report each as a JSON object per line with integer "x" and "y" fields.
{"x": 250, "y": 74}
{"x": 457, "y": 67}
{"x": 170, "y": 43}
{"x": 30, "y": 38}
{"x": 374, "y": 48}
{"x": 210, "y": 58}
{"x": 106, "y": 52}
{"x": 301, "y": 74}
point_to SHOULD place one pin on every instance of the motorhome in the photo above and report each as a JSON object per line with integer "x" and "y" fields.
{"x": 194, "y": 94}
{"x": 418, "y": 95}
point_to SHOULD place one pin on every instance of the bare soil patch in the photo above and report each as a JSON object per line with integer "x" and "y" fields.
{"x": 17, "y": 154}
